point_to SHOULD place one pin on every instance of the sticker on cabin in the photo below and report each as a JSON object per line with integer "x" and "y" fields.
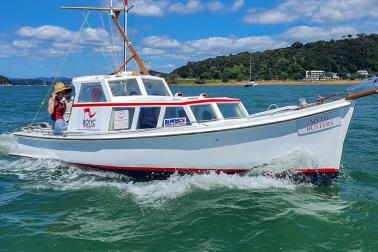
{"x": 169, "y": 122}
{"x": 121, "y": 119}
{"x": 90, "y": 118}
{"x": 318, "y": 123}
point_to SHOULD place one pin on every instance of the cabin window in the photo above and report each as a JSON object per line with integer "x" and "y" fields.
{"x": 148, "y": 117}
{"x": 126, "y": 87}
{"x": 231, "y": 110}
{"x": 203, "y": 113}
{"x": 91, "y": 92}
{"x": 155, "y": 87}
{"x": 175, "y": 116}
{"x": 121, "y": 119}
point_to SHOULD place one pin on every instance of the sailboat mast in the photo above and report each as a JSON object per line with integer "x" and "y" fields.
{"x": 125, "y": 13}
{"x": 250, "y": 66}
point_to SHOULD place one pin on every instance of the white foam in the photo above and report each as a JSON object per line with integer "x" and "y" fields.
{"x": 157, "y": 192}
{"x": 41, "y": 174}
{"x": 8, "y": 143}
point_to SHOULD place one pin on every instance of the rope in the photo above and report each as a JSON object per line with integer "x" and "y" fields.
{"x": 61, "y": 67}
{"x": 103, "y": 54}
{"x": 111, "y": 32}
{"x": 112, "y": 52}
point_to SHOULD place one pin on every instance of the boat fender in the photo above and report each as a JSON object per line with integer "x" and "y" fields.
{"x": 179, "y": 94}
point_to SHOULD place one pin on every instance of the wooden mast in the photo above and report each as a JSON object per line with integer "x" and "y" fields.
{"x": 114, "y": 12}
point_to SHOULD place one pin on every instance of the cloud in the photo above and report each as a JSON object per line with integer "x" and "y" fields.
{"x": 7, "y": 50}
{"x": 215, "y": 6}
{"x": 46, "y": 32}
{"x": 24, "y": 44}
{"x": 149, "y": 8}
{"x": 268, "y": 17}
{"x": 237, "y": 5}
{"x": 208, "y": 47}
{"x": 152, "y": 51}
{"x": 154, "y": 8}
{"x": 307, "y": 33}
{"x": 314, "y": 11}
{"x": 57, "y": 40}
{"x": 191, "y": 6}
{"x": 161, "y": 42}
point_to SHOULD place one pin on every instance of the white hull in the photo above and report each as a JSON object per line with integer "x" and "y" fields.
{"x": 258, "y": 145}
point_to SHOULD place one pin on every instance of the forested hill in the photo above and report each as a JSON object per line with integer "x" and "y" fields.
{"x": 340, "y": 56}
{"x": 5, "y": 81}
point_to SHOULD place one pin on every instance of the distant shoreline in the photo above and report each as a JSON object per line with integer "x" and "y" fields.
{"x": 240, "y": 84}
{"x": 273, "y": 83}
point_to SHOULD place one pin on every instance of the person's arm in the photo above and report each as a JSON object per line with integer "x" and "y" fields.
{"x": 52, "y": 104}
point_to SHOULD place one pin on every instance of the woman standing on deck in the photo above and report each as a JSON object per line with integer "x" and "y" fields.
{"x": 57, "y": 107}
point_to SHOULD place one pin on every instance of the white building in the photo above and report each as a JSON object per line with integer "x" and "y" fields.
{"x": 315, "y": 75}
{"x": 363, "y": 73}
{"x": 335, "y": 76}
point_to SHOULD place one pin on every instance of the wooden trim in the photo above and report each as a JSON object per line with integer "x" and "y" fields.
{"x": 131, "y": 48}
{"x": 361, "y": 94}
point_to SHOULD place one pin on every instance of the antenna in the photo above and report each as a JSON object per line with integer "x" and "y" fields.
{"x": 115, "y": 12}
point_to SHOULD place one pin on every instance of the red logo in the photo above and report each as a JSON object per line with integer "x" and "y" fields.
{"x": 88, "y": 110}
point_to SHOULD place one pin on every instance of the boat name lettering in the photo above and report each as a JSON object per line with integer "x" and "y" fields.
{"x": 181, "y": 121}
{"x": 317, "y": 123}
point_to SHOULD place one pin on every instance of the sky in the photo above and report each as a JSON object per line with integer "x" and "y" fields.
{"x": 38, "y": 39}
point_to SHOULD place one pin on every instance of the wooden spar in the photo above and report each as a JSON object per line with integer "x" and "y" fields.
{"x": 91, "y": 8}
{"x": 115, "y": 14}
{"x": 131, "y": 48}
{"x": 361, "y": 94}
{"x": 123, "y": 65}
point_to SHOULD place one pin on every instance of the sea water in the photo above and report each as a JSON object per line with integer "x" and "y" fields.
{"x": 46, "y": 205}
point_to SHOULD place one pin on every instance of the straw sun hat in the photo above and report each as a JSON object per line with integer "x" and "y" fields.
{"x": 59, "y": 87}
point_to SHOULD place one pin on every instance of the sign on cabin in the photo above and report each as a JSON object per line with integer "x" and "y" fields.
{"x": 89, "y": 118}
{"x": 121, "y": 119}
{"x": 181, "y": 121}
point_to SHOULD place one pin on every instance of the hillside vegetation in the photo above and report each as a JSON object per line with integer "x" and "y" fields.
{"x": 5, "y": 81}
{"x": 340, "y": 56}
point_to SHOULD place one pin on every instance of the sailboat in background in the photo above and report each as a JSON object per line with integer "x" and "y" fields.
{"x": 250, "y": 83}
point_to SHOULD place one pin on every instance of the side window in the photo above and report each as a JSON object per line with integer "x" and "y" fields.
{"x": 231, "y": 110}
{"x": 91, "y": 92}
{"x": 203, "y": 113}
{"x": 124, "y": 87}
{"x": 175, "y": 116}
{"x": 148, "y": 117}
{"x": 121, "y": 119}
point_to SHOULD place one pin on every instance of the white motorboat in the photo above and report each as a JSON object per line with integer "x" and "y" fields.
{"x": 132, "y": 123}
{"x": 251, "y": 84}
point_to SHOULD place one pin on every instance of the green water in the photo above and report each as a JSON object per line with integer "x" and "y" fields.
{"x": 49, "y": 206}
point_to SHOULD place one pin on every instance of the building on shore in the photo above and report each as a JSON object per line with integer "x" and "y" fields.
{"x": 344, "y": 76}
{"x": 335, "y": 76}
{"x": 363, "y": 74}
{"x": 315, "y": 75}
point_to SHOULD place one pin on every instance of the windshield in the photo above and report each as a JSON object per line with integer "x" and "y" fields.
{"x": 231, "y": 110}
{"x": 155, "y": 87}
{"x": 126, "y": 87}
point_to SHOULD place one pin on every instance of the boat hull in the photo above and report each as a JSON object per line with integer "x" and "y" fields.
{"x": 276, "y": 149}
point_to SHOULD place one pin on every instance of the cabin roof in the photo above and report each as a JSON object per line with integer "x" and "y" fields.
{"x": 112, "y": 76}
